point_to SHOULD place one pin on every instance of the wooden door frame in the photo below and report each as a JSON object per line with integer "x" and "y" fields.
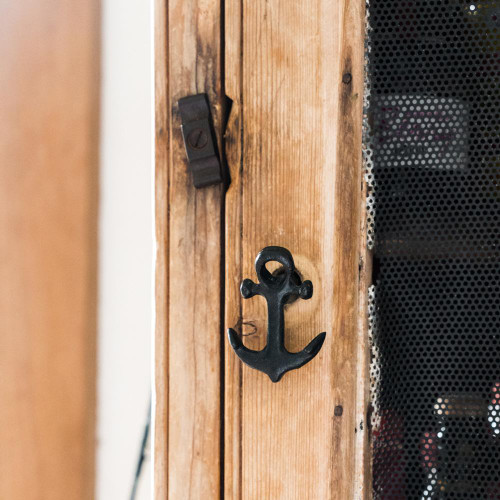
{"x": 188, "y": 339}
{"x": 198, "y": 379}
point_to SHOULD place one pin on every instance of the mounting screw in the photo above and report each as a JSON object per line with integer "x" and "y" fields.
{"x": 338, "y": 411}
{"x": 197, "y": 138}
{"x": 346, "y": 78}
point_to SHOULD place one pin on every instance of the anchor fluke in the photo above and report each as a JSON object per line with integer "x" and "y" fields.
{"x": 315, "y": 345}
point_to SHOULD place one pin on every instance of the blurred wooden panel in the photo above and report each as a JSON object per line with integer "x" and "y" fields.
{"x": 49, "y": 52}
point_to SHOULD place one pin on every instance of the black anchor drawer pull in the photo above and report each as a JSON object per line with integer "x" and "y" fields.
{"x": 277, "y": 289}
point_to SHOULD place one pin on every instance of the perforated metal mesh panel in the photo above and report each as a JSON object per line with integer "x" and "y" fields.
{"x": 432, "y": 156}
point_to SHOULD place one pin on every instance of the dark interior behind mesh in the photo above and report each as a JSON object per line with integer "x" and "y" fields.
{"x": 432, "y": 153}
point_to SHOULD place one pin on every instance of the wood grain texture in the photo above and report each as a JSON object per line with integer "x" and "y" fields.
{"x": 233, "y": 262}
{"x": 189, "y": 261}
{"x": 49, "y": 89}
{"x": 162, "y": 130}
{"x": 364, "y": 444}
{"x": 294, "y": 149}
{"x": 352, "y": 261}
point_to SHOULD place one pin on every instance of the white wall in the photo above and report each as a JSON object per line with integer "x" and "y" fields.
{"x": 126, "y": 241}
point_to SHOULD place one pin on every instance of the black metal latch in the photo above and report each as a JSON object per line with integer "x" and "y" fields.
{"x": 199, "y": 140}
{"x": 278, "y": 289}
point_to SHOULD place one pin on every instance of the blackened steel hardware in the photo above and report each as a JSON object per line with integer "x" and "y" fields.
{"x": 278, "y": 289}
{"x": 346, "y": 78}
{"x": 199, "y": 140}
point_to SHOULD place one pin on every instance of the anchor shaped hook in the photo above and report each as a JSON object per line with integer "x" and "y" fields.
{"x": 277, "y": 289}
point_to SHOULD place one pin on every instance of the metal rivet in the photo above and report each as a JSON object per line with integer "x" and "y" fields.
{"x": 347, "y": 78}
{"x": 338, "y": 411}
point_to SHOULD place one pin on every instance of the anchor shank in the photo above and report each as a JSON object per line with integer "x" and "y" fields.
{"x": 275, "y": 324}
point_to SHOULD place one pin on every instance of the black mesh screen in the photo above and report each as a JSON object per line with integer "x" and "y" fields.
{"x": 432, "y": 155}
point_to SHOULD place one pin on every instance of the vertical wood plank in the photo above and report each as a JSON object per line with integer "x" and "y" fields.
{"x": 295, "y": 152}
{"x": 233, "y": 262}
{"x": 364, "y": 450}
{"x": 189, "y": 261}
{"x": 49, "y": 89}
{"x": 351, "y": 264}
{"x": 162, "y": 131}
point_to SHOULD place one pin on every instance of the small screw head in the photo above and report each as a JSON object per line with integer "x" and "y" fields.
{"x": 197, "y": 138}
{"x": 346, "y": 78}
{"x": 338, "y": 411}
